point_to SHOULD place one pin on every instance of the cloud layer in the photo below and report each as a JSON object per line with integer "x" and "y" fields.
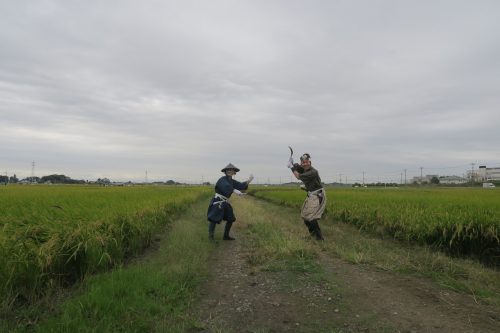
{"x": 181, "y": 88}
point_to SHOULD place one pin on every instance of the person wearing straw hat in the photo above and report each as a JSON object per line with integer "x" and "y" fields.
{"x": 219, "y": 208}
{"x": 315, "y": 202}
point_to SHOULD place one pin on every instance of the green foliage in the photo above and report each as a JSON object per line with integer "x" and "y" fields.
{"x": 461, "y": 221}
{"x": 275, "y": 244}
{"x": 151, "y": 293}
{"x": 54, "y": 236}
{"x": 60, "y": 179}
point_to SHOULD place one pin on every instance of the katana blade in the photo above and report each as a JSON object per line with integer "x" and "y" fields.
{"x": 291, "y": 151}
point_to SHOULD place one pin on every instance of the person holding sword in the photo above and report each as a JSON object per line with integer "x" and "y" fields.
{"x": 315, "y": 202}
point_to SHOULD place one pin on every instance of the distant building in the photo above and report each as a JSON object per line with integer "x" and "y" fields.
{"x": 452, "y": 180}
{"x": 485, "y": 174}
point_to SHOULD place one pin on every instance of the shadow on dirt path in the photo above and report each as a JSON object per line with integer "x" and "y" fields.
{"x": 237, "y": 297}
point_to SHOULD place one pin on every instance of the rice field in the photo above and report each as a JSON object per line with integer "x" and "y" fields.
{"x": 460, "y": 221}
{"x": 51, "y": 236}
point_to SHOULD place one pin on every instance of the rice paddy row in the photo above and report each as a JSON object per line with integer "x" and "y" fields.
{"x": 461, "y": 221}
{"x": 52, "y": 236}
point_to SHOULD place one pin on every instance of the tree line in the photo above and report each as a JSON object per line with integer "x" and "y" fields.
{"x": 52, "y": 179}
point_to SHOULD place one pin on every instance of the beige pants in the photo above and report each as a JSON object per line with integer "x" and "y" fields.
{"x": 312, "y": 209}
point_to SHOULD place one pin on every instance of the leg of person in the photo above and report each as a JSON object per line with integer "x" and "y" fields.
{"x": 211, "y": 230}
{"x": 227, "y": 228}
{"x": 309, "y": 227}
{"x": 229, "y": 218}
{"x": 317, "y": 230}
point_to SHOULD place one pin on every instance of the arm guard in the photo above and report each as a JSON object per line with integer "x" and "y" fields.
{"x": 297, "y": 167}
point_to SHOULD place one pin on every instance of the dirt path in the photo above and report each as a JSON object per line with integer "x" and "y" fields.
{"x": 350, "y": 298}
{"x": 409, "y": 303}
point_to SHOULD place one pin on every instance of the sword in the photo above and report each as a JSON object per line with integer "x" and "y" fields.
{"x": 290, "y": 160}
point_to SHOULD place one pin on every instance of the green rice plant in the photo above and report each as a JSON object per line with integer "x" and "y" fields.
{"x": 52, "y": 236}
{"x": 461, "y": 221}
{"x": 152, "y": 293}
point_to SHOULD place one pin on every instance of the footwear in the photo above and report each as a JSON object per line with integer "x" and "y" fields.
{"x": 227, "y": 227}
{"x": 211, "y": 237}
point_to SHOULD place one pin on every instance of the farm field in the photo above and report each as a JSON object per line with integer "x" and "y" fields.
{"x": 461, "y": 221}
{"x": 273, "y": 277}
{"x": 52, "y": 236}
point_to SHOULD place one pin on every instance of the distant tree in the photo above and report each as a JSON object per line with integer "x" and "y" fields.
{"x": 13, "y": 179}
{"x": 32, "y": 179}
{"x": 60, "y": 179}
{"x": 55, "y": 179}
{"x": 434, "y": 180}
{"x": 103, "y": 181}
{"x": 4, "y": 180}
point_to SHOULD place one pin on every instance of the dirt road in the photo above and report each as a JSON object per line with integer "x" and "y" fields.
{"x": 333, "y": 296}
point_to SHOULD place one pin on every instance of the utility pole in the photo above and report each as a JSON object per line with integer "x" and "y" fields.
{"x": 363, "y": 178}
{"x": 472, "y": 173}
{"x": 405, "y": 176}
{"x": 421, "y": 175}
{"x": 33, "y": 172}
{"x": 401, "y": 182}
{"x": 340, "y": 178}
{"x": 146, "y": 177}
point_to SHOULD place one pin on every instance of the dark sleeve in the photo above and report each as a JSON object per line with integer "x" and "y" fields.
{"x": 308, "y": 175}
{"x": 240, "y": 186}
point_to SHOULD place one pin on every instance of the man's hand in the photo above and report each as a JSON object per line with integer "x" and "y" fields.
{"x": 250, "y": 179}
{"x": 238, "y": 192}
{"x": 290, "y": 163}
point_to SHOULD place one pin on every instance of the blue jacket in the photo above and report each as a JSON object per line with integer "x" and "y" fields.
{"x": 219, "y": 209}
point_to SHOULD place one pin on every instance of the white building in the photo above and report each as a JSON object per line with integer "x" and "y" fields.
{"x": 485, "y": 174}
{"x": 452, "y": 180}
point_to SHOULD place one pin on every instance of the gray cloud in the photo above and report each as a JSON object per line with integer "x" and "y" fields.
{"x": 180, "y": 88}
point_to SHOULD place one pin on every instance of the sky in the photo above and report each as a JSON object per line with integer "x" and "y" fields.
{"x": 178, "y": 89}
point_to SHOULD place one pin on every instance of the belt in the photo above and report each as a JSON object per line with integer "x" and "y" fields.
{"x": 316, "y": 192}
{"x": 221, "y": 199}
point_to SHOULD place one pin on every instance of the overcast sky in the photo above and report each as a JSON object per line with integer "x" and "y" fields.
{"x": 181, "y": 88}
